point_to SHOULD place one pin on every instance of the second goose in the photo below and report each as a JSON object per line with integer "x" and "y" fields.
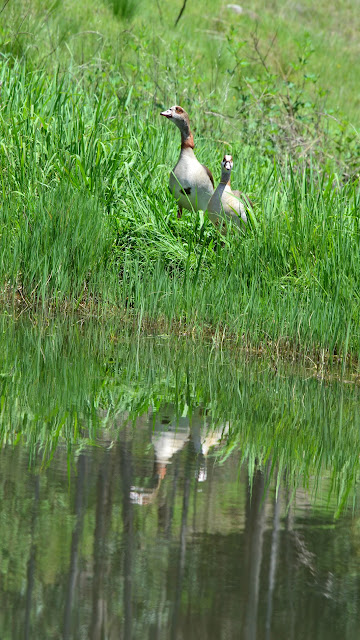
{"x": 226, "y": 203}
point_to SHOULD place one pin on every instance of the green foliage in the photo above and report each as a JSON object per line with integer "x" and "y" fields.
{"x": 124, "y": 8}
{"x": 87, "y": 220}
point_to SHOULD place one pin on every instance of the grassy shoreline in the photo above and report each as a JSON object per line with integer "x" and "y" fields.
{"x": 311, "y": 361}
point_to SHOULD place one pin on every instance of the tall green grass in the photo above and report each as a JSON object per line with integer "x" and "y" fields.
{"x": 87, "y": 220}
{"x": 208, "y": 59}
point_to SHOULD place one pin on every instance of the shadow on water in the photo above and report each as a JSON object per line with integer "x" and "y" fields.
{"x": 156, "y": 490}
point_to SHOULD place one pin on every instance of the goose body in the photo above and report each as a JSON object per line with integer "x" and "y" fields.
{"x": 226, "y": 203}
{"x": 190, "y": 182}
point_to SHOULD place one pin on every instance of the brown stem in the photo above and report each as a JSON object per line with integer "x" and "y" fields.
{"x": 181, "y": 12}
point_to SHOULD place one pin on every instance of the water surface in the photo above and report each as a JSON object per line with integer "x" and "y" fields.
{"x": 157, "y": 490}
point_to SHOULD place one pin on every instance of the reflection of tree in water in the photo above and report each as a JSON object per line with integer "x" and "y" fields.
{"x": 104, "y": 503}
{"x": 253, "y": 540}
{"x": 79, "y": 510}
{"x": 32, "y": 559}
{"x": 127, "y": 517}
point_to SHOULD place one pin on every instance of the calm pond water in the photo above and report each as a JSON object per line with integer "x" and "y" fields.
{"x": 161, "y": 490}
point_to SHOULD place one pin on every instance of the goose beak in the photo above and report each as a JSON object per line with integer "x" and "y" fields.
{"x": 166, "y": 113}
{"x": 228, "y": 166}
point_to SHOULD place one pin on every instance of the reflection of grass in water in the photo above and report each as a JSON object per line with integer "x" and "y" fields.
{"x": 64, "y": 386}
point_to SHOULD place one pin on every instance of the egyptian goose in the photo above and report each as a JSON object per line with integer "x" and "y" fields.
{"x": 226, "y": 201}
{"x": 190, "y": 182}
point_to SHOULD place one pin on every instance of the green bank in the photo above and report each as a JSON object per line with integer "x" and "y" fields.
{"x": 87, "y": 224}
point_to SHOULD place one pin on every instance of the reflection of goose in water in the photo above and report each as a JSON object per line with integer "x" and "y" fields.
{"x": 204, "y": 437}
{"x": 169, "y": 434}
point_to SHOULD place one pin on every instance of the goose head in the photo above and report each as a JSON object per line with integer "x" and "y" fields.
{"x": 227, "y": 164}
{"x": 179, "y": 117}
{"x": 226, "y": 167}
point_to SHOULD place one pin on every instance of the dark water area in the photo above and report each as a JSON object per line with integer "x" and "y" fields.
{"x": 169, "y": 492}
{"x": 154, "y": 537}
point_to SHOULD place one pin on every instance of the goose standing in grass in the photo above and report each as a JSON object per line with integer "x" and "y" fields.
{"x": 190, "y": 182}
{"x": 226, "y": 203}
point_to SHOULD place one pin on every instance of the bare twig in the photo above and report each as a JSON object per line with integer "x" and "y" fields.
{"x": 218, "y": 115}
{"x": 4, "y": 5}
{"x": 262, "y": 57}
{"x": 181, "y": 12}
